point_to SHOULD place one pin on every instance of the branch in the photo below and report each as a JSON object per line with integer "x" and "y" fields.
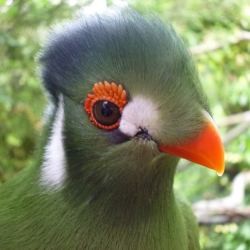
{"x": 233, "y": 119}
{"x": 236, "y": 215}
{"x": 211, "y": 46}
{"x": 235, "y": 132}
{"x": 225, "y": 209}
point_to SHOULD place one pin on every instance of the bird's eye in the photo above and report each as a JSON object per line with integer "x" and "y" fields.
{"x": 106, "y": 104}
{"x": 106, "y": 113}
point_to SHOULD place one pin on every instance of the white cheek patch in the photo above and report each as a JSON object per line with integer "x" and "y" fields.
{"x": 53, "y": 170}
{"x": 140, "y": 113}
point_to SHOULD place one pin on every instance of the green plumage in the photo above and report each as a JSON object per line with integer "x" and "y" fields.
{"x": 117, "y": 192}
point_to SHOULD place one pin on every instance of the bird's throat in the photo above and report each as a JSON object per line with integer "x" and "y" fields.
{"x": 131, "y": 190}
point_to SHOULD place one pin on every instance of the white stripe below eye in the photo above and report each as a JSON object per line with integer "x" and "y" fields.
{"x": 140, "y": 113}
{"x": 53, "y": 170}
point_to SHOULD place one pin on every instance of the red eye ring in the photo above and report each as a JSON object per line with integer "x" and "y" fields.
{"x": 106, "y": 92}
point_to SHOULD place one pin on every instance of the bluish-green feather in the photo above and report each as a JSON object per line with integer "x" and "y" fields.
{"x": 118, "y": 191}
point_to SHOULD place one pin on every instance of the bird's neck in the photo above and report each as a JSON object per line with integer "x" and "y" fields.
{"x": 134, "y": 213}
{"x": 118, "y": 192}
{"x": 128, "y": 183}
{"x": 130, "y": 199}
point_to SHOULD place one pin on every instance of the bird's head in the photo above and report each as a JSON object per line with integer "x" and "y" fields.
{"x": 126, "y": 104}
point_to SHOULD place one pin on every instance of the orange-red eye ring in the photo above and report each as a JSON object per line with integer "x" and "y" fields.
{"x": 106, "y": 92}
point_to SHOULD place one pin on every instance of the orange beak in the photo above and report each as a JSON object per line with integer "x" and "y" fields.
{"x": 207, "y": 150}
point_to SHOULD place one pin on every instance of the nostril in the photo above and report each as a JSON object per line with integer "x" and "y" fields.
{"x": 143, "y": 134}
{"x": 141, "y": 130}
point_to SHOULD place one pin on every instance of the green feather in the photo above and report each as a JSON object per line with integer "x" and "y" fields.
{"x": 116, "y": 195}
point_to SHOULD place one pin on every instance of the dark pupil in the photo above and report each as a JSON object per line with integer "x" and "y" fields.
{"x": 106, "y": 109}
{"x": 106, "y": 113}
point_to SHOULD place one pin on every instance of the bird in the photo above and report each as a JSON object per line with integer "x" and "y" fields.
{"x": 125, "y": 104}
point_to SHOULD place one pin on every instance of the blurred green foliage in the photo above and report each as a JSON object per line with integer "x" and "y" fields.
{"x": 224, "y": 73}
{"x": 24, "y": 25}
